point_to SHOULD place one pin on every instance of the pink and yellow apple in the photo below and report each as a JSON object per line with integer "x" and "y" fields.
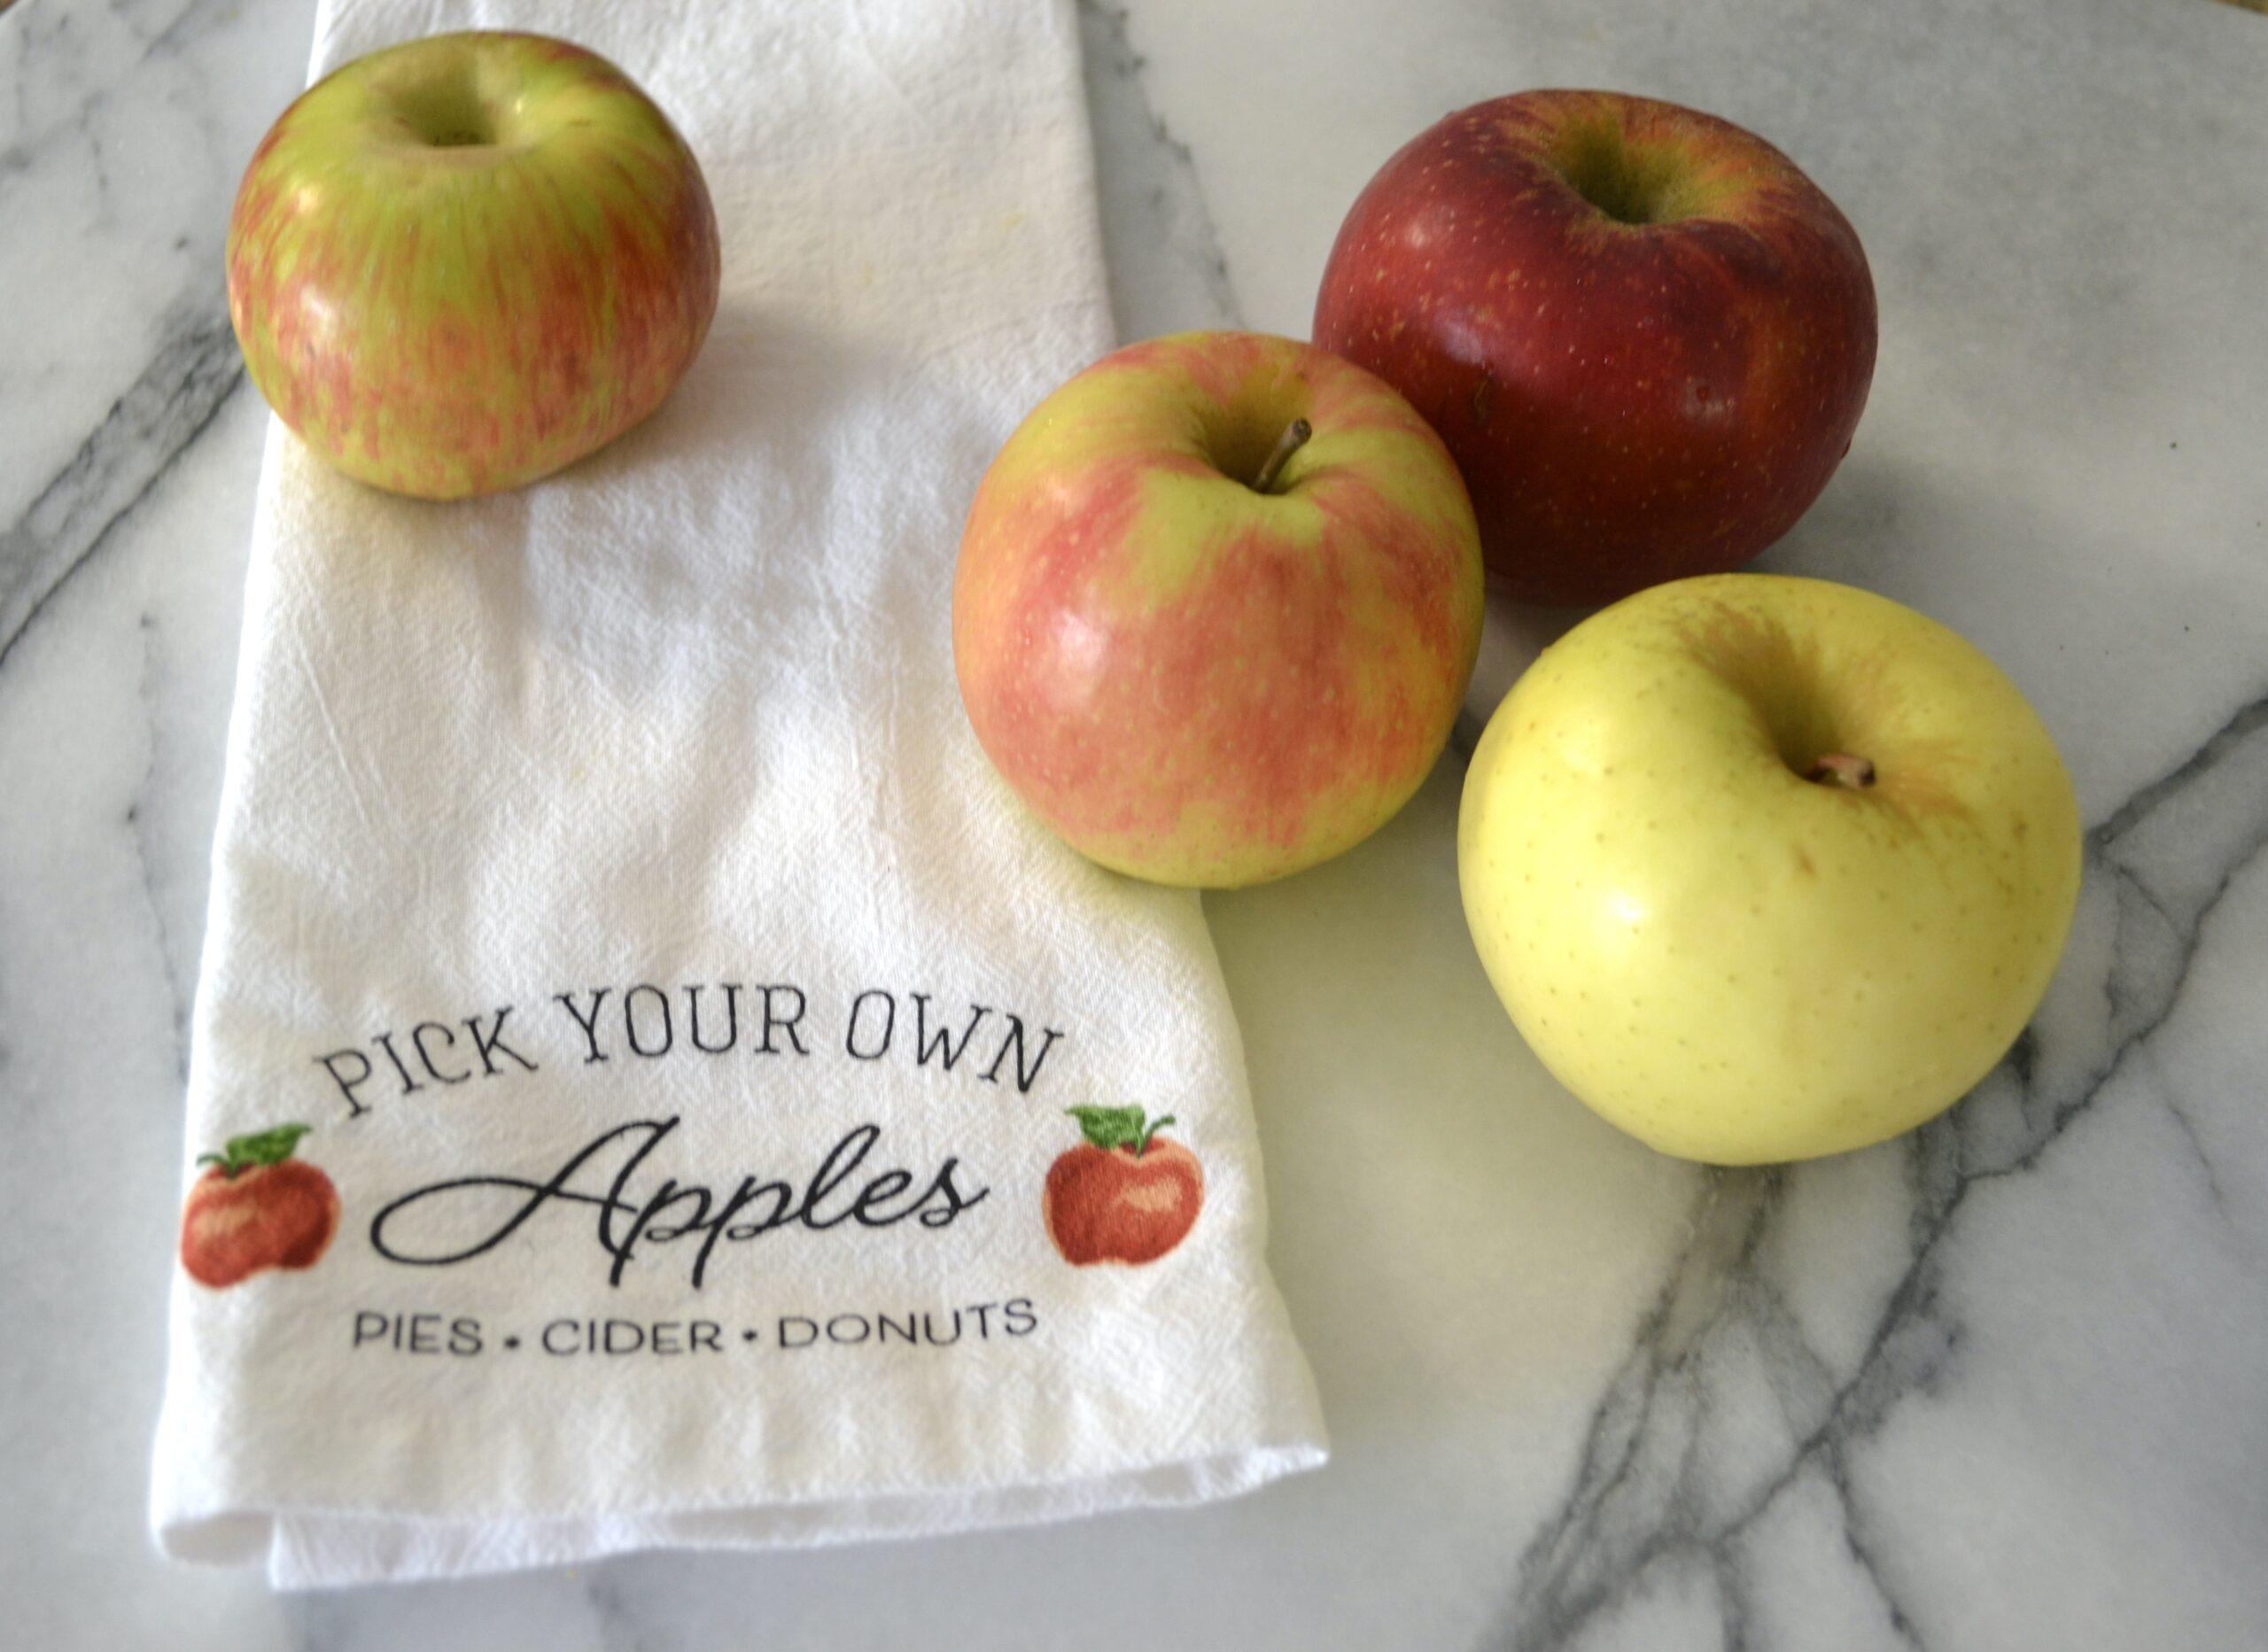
{"x": 1205, "y": 650}
{"x": 1645, "y": 335}
{"x": 456, "y": 265}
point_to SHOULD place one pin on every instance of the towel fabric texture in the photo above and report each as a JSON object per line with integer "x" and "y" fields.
{"x": 685, "y": 1022}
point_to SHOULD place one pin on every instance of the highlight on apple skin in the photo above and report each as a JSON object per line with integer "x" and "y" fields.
{"x": 1766, "y": 868}
{"x": 460, "y": 264}
{"x": 1645, "y": 335}
{"x": 1217, "y": 602}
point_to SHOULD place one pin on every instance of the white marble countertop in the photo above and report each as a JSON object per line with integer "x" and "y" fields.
{"x": 1997, "y": 1385}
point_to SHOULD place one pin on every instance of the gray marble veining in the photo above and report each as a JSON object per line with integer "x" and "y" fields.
{"x": 1641, "y": 1492}
{"x": 1996, "y": 1385}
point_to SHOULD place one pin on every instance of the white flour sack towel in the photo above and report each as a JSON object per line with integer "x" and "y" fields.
{"x": 658, "y": 1086}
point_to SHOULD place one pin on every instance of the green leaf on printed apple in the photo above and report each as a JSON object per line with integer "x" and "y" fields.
{"x": 1109, "y": 1128}
{"x": 271, "y": 1146}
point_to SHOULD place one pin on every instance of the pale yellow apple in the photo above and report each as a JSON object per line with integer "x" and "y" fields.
{"x": 1766, "y": 868}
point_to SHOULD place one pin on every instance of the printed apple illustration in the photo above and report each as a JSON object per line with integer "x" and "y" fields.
{"x": 1645, "y": 334}
{"x": 456, "y": 265}
{"x": 1766, "y": 868}
{"x": 1216, "y": 604}
{"x": 1123, "y": 1195}
{"x": 258, "y": 1207}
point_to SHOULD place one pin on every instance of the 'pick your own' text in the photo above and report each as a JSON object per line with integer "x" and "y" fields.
{"x": 644, "y": 1022}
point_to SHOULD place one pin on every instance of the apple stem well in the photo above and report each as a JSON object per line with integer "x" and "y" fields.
{"x": 1841, "y": 769}
{"x": 1295, "y": 437}
{"x": 240, "y": 1153}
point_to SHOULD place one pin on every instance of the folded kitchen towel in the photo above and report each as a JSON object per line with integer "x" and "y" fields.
{"x": 668, "y": 1093}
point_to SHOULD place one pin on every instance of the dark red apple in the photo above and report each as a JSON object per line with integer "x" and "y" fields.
{"x": 1121, "y": 1195}
{"x": 1644, "y": 336}
{"x": 256, "y": 1208}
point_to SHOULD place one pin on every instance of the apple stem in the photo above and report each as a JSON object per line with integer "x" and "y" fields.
{"x": 1143, "y": 1146}
{"x": 1294, "y": 437}
{"x": 1840, "y": 768}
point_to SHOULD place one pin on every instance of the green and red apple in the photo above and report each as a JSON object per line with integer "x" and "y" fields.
{"x": 1125, "y": 1194}
{"x": 1217, "y": 602}
{"x": 1643, "y": 333}
{"x": 457, "y": 265}
{"x": 1766, "y": 868}
{"x": 258, "y": 1207}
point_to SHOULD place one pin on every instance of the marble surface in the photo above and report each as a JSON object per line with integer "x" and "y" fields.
{"x": 1997, "y": 1385}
